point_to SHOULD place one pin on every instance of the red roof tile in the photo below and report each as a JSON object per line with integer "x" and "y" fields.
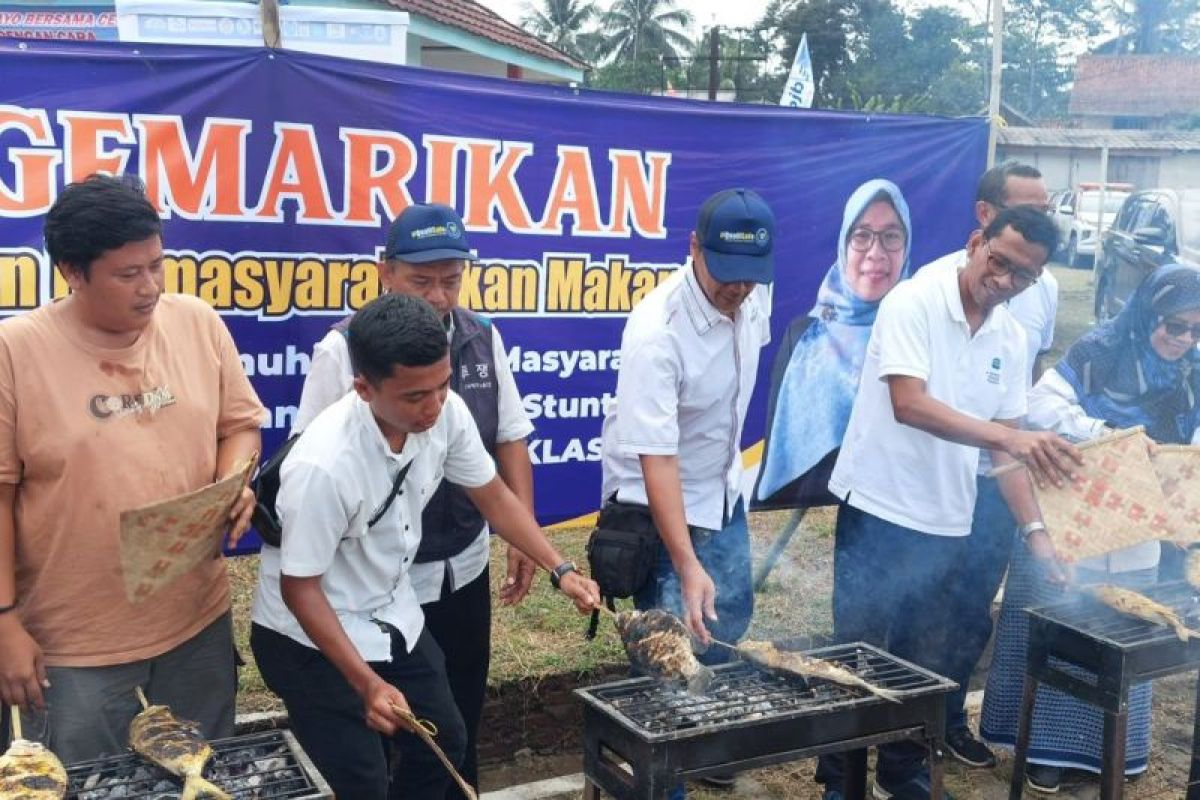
{"x": 1134, "y": 85}
{"x": 473, "y": 18}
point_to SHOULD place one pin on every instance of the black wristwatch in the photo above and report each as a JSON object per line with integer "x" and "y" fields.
{"x": 556, "y": 574}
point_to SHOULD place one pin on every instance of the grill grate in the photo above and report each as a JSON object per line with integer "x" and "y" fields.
{"x": 253, "y": 767}
{"x": 743, "y": 692}
{"x": 1091, "y": 617}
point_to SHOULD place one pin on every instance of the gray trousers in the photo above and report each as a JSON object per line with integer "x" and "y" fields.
{"x": 88, "y": 709}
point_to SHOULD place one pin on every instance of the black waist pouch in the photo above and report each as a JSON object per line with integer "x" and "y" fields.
{"x": 621, "y": 552}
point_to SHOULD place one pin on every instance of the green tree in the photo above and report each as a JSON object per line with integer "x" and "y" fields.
{"x": 1035, "y": 33}
{"x": 642, "y": 31}
{"x": 562, "y": 23}
{"x": 1154, "y": 26}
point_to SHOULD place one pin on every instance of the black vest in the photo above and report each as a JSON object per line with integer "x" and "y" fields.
{"x": 450, "y": 521}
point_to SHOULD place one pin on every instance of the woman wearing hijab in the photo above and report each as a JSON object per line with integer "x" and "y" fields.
{"x": 816, "y": 371}
{"x": 1139, "y": 369}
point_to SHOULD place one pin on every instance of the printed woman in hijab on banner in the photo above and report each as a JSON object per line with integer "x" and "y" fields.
{"x": 815, "y": 375}
{"x": 1138, "y": 369}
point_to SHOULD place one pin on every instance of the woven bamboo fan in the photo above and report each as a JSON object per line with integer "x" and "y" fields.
{"x": 1178, "y": 470}
{"x": 1114, "y": 502}
{"x": 163, "y": 540}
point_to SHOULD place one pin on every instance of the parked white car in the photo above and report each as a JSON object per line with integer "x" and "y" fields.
{"x": 1076, "y": 213}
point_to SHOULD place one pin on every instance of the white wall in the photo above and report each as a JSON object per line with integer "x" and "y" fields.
{"x": 1064, "y": 168}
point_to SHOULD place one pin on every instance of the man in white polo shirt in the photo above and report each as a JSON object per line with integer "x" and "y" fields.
{"x": 993, "y": 529}
{"x": 689, "y": 357}
{"x": 945, "y": 375}
{"x": 338, "y": 630}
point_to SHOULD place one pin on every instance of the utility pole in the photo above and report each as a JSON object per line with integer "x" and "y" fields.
{"x": 997, "y": 69}
{"x": 714, "y": 67}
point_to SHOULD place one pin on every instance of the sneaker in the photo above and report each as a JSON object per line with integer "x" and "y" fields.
{"x": 963, "y": 745}
{"x": 915, "y": 788}
{"x": 1043, "y": 778}
{"x": 723, "y": 781}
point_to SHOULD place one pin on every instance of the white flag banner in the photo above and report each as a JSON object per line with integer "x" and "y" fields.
{"x": 798, "y": 91}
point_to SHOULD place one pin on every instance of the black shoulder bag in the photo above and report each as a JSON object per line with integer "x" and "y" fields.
{"x": 621, "y": 552}
{"x": 266, "y": 489}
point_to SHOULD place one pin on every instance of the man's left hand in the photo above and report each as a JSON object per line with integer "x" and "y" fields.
{"x": 239, "y": 515}
{"x": 519, "y": 578}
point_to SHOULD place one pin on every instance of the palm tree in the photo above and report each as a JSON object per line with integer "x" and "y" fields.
{"x": 638, "y": 28}
{"x": 561, "y": 23}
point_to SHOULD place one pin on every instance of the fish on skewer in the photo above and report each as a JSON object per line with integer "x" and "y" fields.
{"x": 658, "y": 643}
{"x": 1135, "y": 604}
{"x": 768, "y": 655}
{"x": 30, "y": 771}
{"x": 177, "y": 746}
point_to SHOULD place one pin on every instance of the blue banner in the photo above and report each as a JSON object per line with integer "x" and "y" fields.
{"x": 276, "y": 174}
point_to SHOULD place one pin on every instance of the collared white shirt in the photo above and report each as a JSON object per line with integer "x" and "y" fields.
{"x": 1035, "y": 309}
{"x": 686, "y": 377}
{"x": 336, "y": 477}
{"x": 330, "y": 377}
{"x": 900, "y": 473}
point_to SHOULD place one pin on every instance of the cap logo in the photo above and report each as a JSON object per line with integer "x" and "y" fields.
{"x": 436, "y": 230}
{"x": 761, "y": 236}
{"x": 738, "y": 236}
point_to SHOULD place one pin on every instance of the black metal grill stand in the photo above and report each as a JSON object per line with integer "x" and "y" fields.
{"x": 1119, "y": 651}
{"x": 838, "y": 720}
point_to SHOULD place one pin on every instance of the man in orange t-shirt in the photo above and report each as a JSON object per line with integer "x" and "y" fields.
{"x": 111, "y": 398}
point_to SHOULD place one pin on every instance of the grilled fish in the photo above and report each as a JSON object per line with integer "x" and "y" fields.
{"x": 768, "y": 655}
{"x": 658, "y": 643}
{"x": 1191, "y": 569}
{"x": 29, "y": 771}
{"x": 1138, "y": 605}
{"x": 177, "y": 746}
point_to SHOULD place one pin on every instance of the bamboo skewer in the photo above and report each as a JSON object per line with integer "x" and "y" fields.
{"x": 427, "y": 730}
{"x": 142, "y": 697}
{"x": 16, "y": 723}
{"x": 1105, "y": 439}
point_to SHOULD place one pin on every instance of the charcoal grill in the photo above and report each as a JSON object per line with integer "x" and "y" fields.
{"x": 253, "y": 767}
{"x": 751, "y": 717}
{"x": 1118, "y": 650}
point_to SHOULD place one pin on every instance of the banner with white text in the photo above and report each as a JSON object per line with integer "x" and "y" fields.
{"x": 276, "y": 174}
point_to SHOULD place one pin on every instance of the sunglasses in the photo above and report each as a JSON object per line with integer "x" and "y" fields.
{"x": 1175, "y": 329}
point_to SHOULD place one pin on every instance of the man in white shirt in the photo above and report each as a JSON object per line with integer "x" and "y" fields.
{"x": 944, "y": 376}
{"x": 993, "y": 528}
{"x": 338, "y": 630}
{"x": 689, "y": 357}
{"x": 425, "y": 255}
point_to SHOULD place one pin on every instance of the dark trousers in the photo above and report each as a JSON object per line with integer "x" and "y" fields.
{"x": 327, "y": 717}
{"x": 889, "y": 585}
{"x": 993, "y": 531}
{"x": 461, "y": 623}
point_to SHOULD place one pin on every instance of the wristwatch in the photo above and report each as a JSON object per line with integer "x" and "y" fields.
{"x": 556, "y": 574}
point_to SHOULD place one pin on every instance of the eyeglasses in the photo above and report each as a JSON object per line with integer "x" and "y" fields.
{"x": 891, "y": 239}
{"x": 1021, "y": 279}
{"x": 1175, "y": 329}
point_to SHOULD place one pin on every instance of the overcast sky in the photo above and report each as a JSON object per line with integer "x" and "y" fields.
{"x": 730, "y": 13}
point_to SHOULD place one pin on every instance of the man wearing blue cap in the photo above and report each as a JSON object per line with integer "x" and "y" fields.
{"x": 424, "y": 256}
{"x": 671, "y": 441}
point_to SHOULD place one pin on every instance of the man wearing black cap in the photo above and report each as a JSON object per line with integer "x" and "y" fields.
{"x": 689, "y": 356}
{"x": 425, "y": 254}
